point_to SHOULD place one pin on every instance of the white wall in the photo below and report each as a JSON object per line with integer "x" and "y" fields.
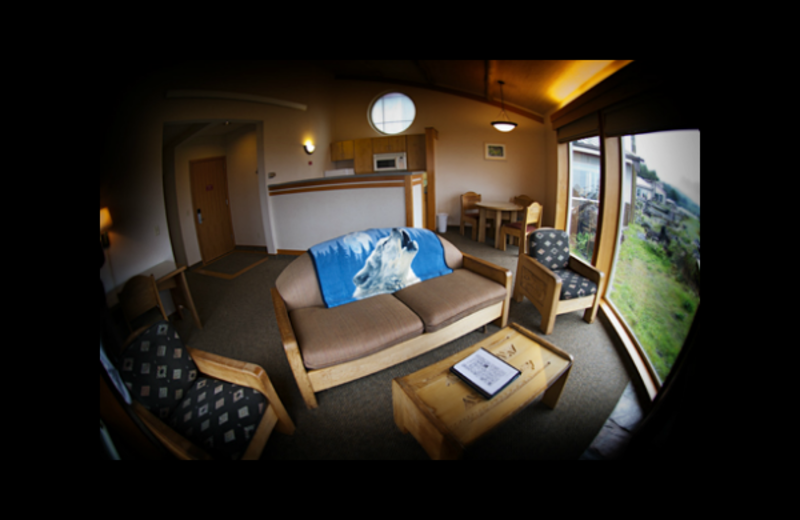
{"x": 131, "y": 169}
{"x": 245, "y": 206}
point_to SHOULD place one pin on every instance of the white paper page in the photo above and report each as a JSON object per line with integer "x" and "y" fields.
{"x": 486, "y": 370}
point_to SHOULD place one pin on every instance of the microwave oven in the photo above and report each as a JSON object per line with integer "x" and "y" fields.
{"x": 384, "y": 162}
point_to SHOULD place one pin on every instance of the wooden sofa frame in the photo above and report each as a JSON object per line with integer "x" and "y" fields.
{"x": 311, "y": 381}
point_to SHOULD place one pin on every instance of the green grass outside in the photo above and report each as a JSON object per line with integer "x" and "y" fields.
{"x": 654, "y": 300}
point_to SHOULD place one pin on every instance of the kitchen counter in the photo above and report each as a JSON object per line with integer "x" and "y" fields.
{"x": 364, "y": 176}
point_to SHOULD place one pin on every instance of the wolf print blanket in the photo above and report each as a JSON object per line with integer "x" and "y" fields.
{"x": 376, "y": 261}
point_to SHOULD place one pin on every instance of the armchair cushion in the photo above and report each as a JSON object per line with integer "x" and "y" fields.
{"x": 550, "y": 247}
{"x": 219, "y": 416}
{"x": 574, "y": 285}
{"x": 157, "y": 369}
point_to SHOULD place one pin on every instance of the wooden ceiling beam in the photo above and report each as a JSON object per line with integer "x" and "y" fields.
{"x": 425, "y": 71}
{"x": 490, "y": 78}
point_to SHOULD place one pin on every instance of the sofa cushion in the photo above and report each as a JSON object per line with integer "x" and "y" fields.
{"x": 446, "y": 299}
{"x": 452, "y": 256}
{"x": 328, "y": 337}
{"x": 298, "y": 284}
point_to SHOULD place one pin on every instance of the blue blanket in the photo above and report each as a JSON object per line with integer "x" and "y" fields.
{"x": 376, "y": 261}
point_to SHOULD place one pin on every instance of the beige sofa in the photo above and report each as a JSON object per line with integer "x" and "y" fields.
{"x": 327, "y": 347}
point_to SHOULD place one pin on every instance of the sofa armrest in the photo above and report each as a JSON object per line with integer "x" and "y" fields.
{"x": 292, "y": 350}
{"x": 495, "y": 273}
{"x": 488, "y": 270}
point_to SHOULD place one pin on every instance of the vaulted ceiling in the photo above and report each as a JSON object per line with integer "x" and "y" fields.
{"x": 531, "y": 88}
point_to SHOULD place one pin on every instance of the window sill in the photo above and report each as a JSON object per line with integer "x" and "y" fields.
{"x": 619, "y": 332}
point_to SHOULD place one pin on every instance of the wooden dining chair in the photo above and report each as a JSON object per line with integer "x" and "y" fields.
{"x": 521, "y": 229}
{"x": 140, "y": 297}
{"x": 469, "y": 212}
{"x": 522, "y": 200}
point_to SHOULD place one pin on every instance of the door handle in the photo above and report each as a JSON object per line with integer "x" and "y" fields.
{"x": 199, "y": 216}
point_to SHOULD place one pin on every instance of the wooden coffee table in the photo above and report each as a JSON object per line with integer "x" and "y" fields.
{"x": 445, "y": 415}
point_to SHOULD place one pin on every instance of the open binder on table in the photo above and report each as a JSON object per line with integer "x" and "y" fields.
{"x": 485, "y": 372}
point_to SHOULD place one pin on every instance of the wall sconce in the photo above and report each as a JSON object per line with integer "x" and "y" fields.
{"x": 309, "y": 147}
{"x": 105, "y": 224}
{"x": 504, "y": 125}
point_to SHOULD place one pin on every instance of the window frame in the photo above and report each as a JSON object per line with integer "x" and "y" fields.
{"x": 380, "y": 97}
{"x": 645, "y": 96}
{"x": 571, "y": 179}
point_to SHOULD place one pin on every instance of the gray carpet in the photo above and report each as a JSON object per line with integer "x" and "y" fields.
{"x": 355, "y": 421}
{"x": 232, "y": 264}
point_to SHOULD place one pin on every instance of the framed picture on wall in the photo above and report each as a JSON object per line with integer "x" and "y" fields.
{"x": 494, "y": 152}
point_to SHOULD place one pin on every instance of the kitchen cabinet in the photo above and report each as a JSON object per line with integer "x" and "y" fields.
{"x": 420, "y": 155}
{"x": 391, "y": 144}
{"x": 360, "y": 151}
{"x": 415, "y": 152}
{"x": 342, "y": 151}
{"x": 362, "y": 162}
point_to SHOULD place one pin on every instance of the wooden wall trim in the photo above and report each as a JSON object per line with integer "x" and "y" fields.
{"x": 608, "y": 217}
{"x": 431, "y": 136}
{"x": 398, "y": 184}
{"x": 337, "y": 180}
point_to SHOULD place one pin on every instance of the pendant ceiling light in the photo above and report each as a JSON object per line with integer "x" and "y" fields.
{"x": 504, "y": 125}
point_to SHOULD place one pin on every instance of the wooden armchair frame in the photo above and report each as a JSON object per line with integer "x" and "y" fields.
{"x": 543, "y": 288}
{"x": 232, "y": 371}
{"x": 311, "y": 381}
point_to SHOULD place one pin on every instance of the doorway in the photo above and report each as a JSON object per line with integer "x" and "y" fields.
{"x": 211, "y": 207}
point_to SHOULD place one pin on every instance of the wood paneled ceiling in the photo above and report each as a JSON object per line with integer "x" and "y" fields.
{"x": 532, "y": 88}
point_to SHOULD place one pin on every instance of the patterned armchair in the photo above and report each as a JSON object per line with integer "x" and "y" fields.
{"x": 555, "y": 281}
{"x": 197, "y": 404}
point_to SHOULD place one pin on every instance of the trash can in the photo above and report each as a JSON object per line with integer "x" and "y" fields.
{"x": 442, "y": 219}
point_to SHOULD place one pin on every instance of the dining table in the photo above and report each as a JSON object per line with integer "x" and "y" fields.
{"x": 498, "y": 209}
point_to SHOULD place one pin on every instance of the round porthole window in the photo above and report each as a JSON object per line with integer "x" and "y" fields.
{"x": 392, "y": 113}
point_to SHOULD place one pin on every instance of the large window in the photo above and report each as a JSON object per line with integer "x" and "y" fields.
{"x": 392, "y": 113}
{"x": 655, "y": 280}
{"x": 584, "y": 199}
